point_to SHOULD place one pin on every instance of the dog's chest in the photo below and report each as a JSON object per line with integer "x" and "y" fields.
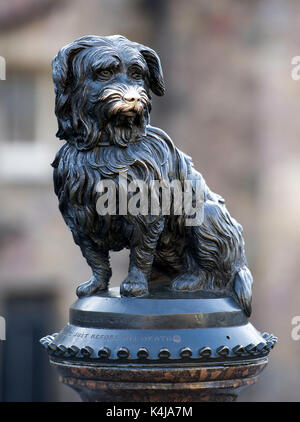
{"x": 142, "y": 161}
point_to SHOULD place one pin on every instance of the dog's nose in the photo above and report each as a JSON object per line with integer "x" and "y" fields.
{"x": 131, "y": 98}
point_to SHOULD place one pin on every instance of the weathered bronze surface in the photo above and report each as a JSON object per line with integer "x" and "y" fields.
{"x": 103, "y": 100}
{"x": 107, "y": 328}
{"x": 177, "y": 329}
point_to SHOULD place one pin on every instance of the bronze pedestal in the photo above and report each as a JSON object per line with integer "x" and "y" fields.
{"x": 167, "y": 347}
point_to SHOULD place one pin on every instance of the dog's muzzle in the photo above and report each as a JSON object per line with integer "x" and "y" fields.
{"x": 132, "y": 99}
{"x": 125, "y": 100}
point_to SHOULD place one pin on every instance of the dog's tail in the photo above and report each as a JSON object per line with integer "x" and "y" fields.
{"x": 242, "y": 286}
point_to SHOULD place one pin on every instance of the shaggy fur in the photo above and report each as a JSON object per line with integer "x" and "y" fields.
{"x": 103, "y": 102}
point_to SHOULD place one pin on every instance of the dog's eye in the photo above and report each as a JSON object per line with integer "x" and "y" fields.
{"x": 136, "y": 74}
{"x": 105, "y": 74}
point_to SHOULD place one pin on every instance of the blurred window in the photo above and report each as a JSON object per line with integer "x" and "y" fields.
{"x": 17, "y": 106}
{"x": 25, "y": 373}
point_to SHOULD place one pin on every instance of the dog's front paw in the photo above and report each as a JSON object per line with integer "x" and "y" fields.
{"x": 90, "y": 287}
{"x": 135, "y": 284}
{"x": 187, "y": 282}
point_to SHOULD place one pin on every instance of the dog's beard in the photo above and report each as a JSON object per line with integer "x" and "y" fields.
{"x": 122, "y": 123}
{"x": 122, "y": 129}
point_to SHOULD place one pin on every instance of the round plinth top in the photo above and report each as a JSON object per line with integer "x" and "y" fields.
{"x": 162, "y": 309}
{"x": 162, "y": 328}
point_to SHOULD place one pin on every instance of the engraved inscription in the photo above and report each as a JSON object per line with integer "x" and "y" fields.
{"x": 130, "y": 338}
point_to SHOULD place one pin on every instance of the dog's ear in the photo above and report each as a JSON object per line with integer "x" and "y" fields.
{"x": 62, "y": 78}
{"x": 157, "y": 83}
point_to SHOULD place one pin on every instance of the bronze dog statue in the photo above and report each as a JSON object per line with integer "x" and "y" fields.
{"x": 103, "y": 102}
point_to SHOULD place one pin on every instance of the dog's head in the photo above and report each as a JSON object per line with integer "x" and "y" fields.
{"x": 102, "y": 87}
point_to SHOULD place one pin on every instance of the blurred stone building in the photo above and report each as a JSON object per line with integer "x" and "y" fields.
{"x": 230, "y": 103}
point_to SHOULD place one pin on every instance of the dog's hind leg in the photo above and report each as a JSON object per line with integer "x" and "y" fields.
{"x": 189, "y": 281}
{"x": 98, "y": 260}
{"x": 217, "y": 248}
{"x": 192, "y": 277}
